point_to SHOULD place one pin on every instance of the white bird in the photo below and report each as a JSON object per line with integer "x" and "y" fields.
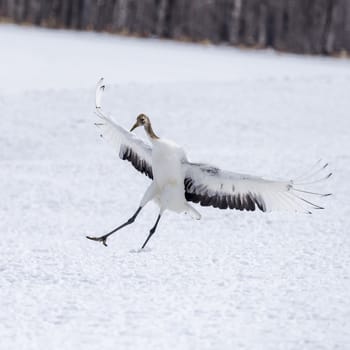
{"x": 176, "y": 181}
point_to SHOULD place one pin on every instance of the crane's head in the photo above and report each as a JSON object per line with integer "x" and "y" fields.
{"x": 142, "y": 119}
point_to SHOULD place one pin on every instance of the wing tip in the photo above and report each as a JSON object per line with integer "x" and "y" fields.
{"x": 100, "y": 86}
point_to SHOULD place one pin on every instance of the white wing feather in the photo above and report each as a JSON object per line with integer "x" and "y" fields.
{"x": 127, "y": 144}
{"x": 211, "y": 186}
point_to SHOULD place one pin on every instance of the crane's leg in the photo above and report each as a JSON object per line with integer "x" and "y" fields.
{"x": 151, "y": 232}
{"x": 193, "y": 212}
{"x": 149, "y": 195}
{"x": 103, "y": 238}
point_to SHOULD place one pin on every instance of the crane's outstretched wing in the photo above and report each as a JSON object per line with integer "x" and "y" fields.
{"x": 211, "y": 186}
{"x": 129, "y": 146}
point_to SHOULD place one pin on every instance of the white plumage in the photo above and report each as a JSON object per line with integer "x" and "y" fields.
{"x": 176, "y": 181}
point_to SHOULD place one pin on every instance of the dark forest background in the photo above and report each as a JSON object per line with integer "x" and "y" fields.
{"x": 301, "y": 26}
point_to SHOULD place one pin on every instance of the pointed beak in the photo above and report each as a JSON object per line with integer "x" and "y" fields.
{"x": 134, "y": 127}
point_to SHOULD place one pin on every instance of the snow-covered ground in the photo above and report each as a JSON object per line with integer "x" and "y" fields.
{"x": 230, "y": 281}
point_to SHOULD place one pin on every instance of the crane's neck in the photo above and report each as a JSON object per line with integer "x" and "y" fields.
{"x": 150, "y": 132}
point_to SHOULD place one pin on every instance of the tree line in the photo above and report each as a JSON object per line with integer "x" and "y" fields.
{"x": 301, "y": 26}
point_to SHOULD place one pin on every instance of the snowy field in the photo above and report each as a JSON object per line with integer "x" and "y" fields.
{"x": 232, "y": 280}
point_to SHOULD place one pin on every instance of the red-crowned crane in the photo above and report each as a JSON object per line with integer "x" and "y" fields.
{"x": 176, "y": 181}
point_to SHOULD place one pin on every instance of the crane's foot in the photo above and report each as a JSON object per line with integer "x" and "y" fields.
{"x": 102, "y": 239}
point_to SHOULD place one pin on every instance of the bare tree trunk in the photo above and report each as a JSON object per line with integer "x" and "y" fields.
{"x": 161, "y": 28}
{"x": 335, "y": 26}
{"x": 20, "y": 11}
{"x": 234, "y": 24}
{"x": 34, "y": 11}
{"x": 120, "y": 15}
{"x": 304, "y": 26}
{"x": 262, "y": 25}
{"x": 179, "y": 19}
{"x": 145, "y": 17}
{"x": 346, "y": 32}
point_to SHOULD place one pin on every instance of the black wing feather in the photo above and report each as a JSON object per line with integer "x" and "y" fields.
{"x": 126, "y": 153}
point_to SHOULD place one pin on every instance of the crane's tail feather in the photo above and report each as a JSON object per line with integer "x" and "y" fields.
{"x": 193, "y": 212}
